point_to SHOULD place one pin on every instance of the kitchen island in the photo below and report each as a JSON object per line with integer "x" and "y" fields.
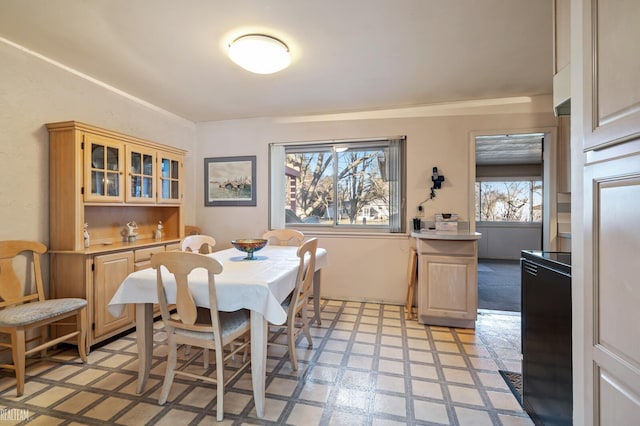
{"x": 447, "y": 277}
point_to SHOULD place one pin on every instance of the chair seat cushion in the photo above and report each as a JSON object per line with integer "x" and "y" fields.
{"x": 29, "y": 313}
{"x": 230, "y": 322}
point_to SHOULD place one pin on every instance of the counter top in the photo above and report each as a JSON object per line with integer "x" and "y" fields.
{"x": 446, "y": 235}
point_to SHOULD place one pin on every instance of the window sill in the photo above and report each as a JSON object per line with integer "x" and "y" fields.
{"x": 355, "y": 234}
{"x": 509, "y": 224}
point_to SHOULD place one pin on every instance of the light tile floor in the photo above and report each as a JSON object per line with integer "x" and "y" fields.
{"x": 368, "y": 366}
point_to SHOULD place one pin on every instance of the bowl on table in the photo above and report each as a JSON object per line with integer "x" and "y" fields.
{"x": 249, "y": 246}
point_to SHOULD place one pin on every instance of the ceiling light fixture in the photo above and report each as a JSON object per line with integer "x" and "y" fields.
{"x": 259, "y": 53}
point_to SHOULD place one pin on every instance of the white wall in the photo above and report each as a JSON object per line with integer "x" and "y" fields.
{"x": 34, "y": 92}
{"x": 505, "y": 240}
{"x": 363, "y": 267}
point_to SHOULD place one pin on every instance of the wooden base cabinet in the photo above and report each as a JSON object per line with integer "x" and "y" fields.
{"x": 106, "y": 180}
{"x": 96, "y": 276}
{"x": 447, "y": 283}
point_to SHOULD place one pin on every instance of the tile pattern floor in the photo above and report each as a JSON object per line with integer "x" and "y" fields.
{"x": 368, "y": 366}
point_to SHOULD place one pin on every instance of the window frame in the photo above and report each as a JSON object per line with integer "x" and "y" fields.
{"x": 399, "y": 192}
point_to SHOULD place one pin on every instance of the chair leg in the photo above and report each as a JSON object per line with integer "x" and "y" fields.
{"x": 305, "y": 325}
{"x": 291, "y": 338}
{"x": 44, "y": 337}
{"x": 82, "y": 339}
{"x": 170, "y": 371}
{"x": 17, "y": 351}
{"x": 220, "y": 383}
{"x": 412, "y": 275}
{"x": 245, "y": 352}
{"x": 408, "y": 308}
{"x": 205, "y": 357}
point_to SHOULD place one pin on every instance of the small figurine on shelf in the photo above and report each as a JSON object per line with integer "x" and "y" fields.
{"x": 132, "y": 231}
{"x": 158, "y": 234}
{"x": 86, "y": 235}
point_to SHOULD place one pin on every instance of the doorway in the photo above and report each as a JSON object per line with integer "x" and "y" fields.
{"x": 509, "y": 193}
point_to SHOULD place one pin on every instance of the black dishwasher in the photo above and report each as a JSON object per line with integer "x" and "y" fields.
{"x": 546, "y": 337}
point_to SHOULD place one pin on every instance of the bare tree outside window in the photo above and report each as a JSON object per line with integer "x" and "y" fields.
{"x": 313, "y": 192}
{"x": 509, "y": 201}
{"x": 362, "y": 194}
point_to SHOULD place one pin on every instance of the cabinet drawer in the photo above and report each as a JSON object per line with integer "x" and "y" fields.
{"x": 142, "y": 265}
{"x": 457, "y": 247}
{"x": 141, "y": 255}
{"x": 173, "y": 247}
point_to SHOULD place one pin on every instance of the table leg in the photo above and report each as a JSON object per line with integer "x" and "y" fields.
{"x": 316, "y": 295}
{"x": 144, "y": 337}
{"x": 258, "y": 359}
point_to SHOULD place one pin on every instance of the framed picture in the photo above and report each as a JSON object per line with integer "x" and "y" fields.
{"x": 230, "y": 181}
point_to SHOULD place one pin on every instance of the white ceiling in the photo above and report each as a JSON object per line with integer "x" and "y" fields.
{"x": 347, "y": 55}
{"x": 509, "y": 149}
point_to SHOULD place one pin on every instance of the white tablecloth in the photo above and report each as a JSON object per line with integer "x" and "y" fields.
{"x": 258, "y": 285}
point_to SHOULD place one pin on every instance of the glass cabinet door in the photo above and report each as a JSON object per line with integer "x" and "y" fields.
{"x": 141, "y": 179}
{"x": 103, "y": 169}
{"x": 170, "y": 176}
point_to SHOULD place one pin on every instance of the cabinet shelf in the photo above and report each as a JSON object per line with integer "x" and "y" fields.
{"x": 120, "y": 246}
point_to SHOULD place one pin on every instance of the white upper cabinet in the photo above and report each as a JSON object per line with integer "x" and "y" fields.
{"x": 611, "y": 43}
{"x": 561, "y": 56}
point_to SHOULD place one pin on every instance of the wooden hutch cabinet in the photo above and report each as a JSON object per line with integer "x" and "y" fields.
{"x": 106, "y": 180}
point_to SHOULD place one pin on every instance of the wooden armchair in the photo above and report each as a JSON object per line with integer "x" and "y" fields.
{"x": 23, "y": 308}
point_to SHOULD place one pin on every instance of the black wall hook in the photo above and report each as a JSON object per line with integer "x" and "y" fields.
{"x": 436, "y": 179}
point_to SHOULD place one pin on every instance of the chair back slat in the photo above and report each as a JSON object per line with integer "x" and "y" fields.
{"x": 10, "y": 285}
{"x": 180, "y": 264}
{"x": 19, "y": 300}
{"x": 284, "y": 237}
{"x": 185, "y": 304}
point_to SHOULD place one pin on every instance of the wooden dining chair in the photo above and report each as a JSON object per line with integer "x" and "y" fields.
{"x": 202, "y": 244}
{"x": 198, "y": 327}
{"x": 296, "y": 304}
{"x": 284, "y": 237}
{"x": 412, "y": 276}
{"x": 23, "y": 308}
{"x": 191, "y": 230}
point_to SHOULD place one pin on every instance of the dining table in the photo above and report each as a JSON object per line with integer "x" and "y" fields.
{"x": 260, "y": 285}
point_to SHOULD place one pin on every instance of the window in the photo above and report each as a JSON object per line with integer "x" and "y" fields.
{"x": 345, "y": 184}
{"x": 509, "y": 201}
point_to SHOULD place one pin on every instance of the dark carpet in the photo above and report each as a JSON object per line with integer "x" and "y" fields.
{"x": 499, "y": 285}
{"x": 514, "y": 381}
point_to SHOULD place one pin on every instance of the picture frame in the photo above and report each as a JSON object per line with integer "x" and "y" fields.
{"x": 230, "y": 181}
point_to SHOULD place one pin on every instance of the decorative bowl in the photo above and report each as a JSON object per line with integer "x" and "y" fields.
{"x": 249, "y": 246}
